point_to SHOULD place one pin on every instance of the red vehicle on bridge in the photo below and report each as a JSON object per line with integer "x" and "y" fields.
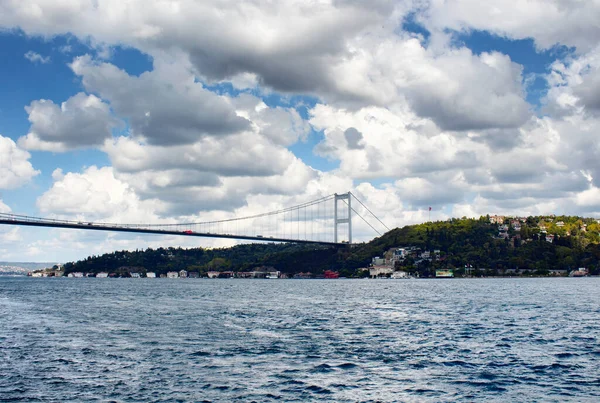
{"x": 187, "y": 231}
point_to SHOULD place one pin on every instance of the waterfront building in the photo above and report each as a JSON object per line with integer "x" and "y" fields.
{"x": 399, "y": 274}
{"x": 380, "y": 271}
{"x": 151, "y": 274}
{"x": 172, "y": 274}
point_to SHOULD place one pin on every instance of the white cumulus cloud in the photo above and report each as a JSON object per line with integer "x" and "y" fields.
{"x": 15, "y": 168}
{"x": 81, "y": 121}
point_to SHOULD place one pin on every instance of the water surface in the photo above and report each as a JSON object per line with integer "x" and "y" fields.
{"x": 180, "y": 340}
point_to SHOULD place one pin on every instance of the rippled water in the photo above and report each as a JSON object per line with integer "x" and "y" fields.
{"x": 142, "y": 340}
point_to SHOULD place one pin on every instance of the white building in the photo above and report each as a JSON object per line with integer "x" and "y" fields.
{"x": 102, "y": 274}
{"x": 496, "y": 219}
{"x": 172, "y": 274}
{"x": 401, "y": 253}
{"x": 380, "y": 271}
{"x": 151, "y": 274}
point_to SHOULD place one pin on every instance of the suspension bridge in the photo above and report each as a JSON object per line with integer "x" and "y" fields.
{"x": 324, "y": 221}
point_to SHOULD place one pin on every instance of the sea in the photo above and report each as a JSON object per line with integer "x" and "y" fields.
{"x": 235, "y": 340}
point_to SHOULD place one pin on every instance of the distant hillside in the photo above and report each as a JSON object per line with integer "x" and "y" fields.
{"x": 490, "y": 245}
{"x": 22, "y": 267}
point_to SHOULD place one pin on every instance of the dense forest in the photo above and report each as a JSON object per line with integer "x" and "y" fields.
{"x": 526, "y": 246}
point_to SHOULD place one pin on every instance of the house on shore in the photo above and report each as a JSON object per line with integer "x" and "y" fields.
{"x": 380, "y": 271}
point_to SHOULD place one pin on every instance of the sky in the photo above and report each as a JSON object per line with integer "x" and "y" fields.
{"x": 166, "y": 111}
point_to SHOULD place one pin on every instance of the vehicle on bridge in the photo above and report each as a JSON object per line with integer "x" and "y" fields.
{"x": 200, "y": 228}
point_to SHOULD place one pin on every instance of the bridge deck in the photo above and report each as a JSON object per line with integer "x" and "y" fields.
{"x": 103, "y": 227}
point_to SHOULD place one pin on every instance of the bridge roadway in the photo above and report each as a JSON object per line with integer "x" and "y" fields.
{"x": 32, "y": 222}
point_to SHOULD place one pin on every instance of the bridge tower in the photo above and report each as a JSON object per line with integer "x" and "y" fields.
{"x": 346, "y": 220}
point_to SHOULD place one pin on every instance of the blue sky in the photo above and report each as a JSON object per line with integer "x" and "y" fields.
{"x": 191, "y": 117}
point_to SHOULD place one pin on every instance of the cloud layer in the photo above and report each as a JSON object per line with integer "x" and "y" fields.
{"x": 406, "y": 120}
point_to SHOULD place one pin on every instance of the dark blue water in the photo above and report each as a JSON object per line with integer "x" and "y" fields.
{"x": 162, "y": 340}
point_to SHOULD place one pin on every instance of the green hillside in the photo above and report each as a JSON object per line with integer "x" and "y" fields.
{"x": 488, "y": 247}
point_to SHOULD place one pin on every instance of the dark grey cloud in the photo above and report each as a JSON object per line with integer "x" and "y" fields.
{"x": 463, "y": 112}
{"x": 546, "y": 187}
{"x": 353, "y": 138}
{"x": 382, "y": 6}
{"x": 288, "y": 58}
{"x": 589, "y": 91}
{"x": 499, "y": 139}
{"x": 519, "y": 167}
{"x": 160, "y": 106}
{"x": 431, "y": 162}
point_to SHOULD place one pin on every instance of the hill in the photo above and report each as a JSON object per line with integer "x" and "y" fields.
{"x": 490, "y": 245}
{"x": 22, "y": 267}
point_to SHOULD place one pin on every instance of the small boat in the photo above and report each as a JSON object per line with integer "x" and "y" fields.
{"x": 331, "y": 274}
{"x": 581, "y": 272}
